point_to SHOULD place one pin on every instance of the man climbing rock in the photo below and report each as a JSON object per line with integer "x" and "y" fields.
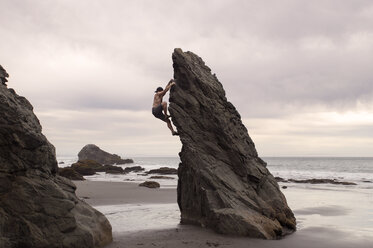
{"x": 159, "y": 109}
{"x": 3, "y": 76}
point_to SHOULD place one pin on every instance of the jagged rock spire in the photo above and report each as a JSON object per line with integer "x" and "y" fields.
{"x": 223, "y": 184}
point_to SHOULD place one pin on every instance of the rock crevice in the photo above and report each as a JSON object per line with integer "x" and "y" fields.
{"x": 223, "y": 184}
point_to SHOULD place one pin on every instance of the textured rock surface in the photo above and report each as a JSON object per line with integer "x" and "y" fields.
{"x": 86, "y": 167}
{"x": 133, "y": 169}
{"x": 37, "y": 207}
{"x": 93, "y": 152}
{"x": 70, "y": 173}
{"x": 223, "y": 184}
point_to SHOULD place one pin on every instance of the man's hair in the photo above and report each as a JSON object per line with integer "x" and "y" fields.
{"x": 158, "y": 89}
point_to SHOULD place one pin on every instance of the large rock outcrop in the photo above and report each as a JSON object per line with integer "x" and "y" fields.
{"x": 93, "y": 152}
{"x": 37, "y": 207}
{"x": 223, "y": 184}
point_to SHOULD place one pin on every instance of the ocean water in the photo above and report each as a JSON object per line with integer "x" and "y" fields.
{"x": 349, "y": 169}
{"x": 357, "y": 170}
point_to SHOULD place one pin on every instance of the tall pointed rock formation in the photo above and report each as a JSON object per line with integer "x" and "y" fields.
{"x": 223, "y": 184}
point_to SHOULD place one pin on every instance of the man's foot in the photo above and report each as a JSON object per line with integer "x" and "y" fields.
{"x": 175, "y": 133}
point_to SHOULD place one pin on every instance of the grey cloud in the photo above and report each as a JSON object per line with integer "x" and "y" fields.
{"x": 143, "y": 34}
{"x": 125, "y": 132}
{"x": 274, "y": 58}
{"x": 356, "y": 131}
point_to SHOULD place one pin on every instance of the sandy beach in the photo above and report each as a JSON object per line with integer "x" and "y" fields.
{"x": 97, "y": 193}
{"x": 327, "y": 216}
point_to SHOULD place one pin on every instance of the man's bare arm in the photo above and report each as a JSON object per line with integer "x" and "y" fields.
{"x": 167, "y": 88}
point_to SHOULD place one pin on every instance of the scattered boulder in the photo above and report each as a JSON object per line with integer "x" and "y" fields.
{"x": 223, "y": 184}
{"x": 70, "y": 173}
{"x": 39, "y": 208}
{"x": 61, "y": 162}
{"x": 314, "y": 181}
{"x": 94, "y": 165}
{"x": 112, "y": 169}
{"x": 87, "y": 167}
{"x": 133, "y": 169}
{"x": 150, "y": 184}
{"x": 93, "y": 152}
{"x": 280, "y": 179}
{"x": 113, "y": 172}
{"x": 321, "y": 181}
{"x": 160, "y": 177}
{"x": 164, "y": 171}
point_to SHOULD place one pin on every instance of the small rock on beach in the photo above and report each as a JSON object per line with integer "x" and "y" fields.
{"x": 160, "y": 177}
{"x": 150, "y": 184}
{"x": 164, "y": 171}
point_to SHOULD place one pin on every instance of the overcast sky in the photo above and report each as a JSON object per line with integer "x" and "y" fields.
{"x": 298, "y": 71}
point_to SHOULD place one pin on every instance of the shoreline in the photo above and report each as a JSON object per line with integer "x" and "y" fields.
{"x": 297, "y": 169}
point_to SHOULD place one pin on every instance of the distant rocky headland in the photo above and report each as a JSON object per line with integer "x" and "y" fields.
{"x": 93, "y": 152}
{"x": 39, "y": 208}
{"x": 92, "y": 159}
{"x": 223, "y": 184}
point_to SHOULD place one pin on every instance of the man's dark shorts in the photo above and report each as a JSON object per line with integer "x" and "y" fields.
{"x": 158, "y": 112}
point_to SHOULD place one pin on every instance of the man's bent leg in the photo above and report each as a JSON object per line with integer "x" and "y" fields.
{"x": 164, "y": 106}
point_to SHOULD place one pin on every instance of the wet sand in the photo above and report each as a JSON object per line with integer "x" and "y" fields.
{"x": 98, "y": 193}
{"x": 327, "y": 216}
{"x": 317, "y": 237}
